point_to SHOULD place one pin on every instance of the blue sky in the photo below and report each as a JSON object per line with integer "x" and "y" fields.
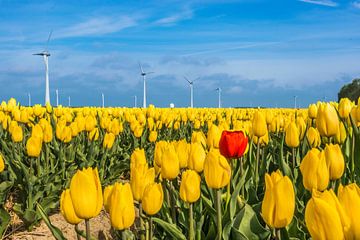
{"x": 260, "y": 52}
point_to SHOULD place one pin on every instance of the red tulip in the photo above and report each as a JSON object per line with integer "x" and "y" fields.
{"x": 233, "y": 144}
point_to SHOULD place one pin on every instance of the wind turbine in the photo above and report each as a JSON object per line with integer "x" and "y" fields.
{"x": 57, "y": 97}
{"x": 191, "y": 83}
{"x": 135, "y": 101}
{"x": 29, "y": 99}
{"x": 46, "y": 56}
{"x": 219, "y": 95}
{"x": 143, "y": 74}
{"x": 69, "y": 101}
{"x": 103, "y": 99}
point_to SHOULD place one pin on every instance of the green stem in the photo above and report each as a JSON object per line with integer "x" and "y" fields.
{"x": 78, "y": 237}
{"x": 87, "y": 225}
{"x": 257, "y": 164}
{"x": 142, "y": 237}
{"x": 241, "y": 174}
{"x": 147, "y": 230}
{"x": 218, "y": 212}
{"x": 191, "y": 222}
{"x": 353, "y": 159}
{"x": 278, "y": 234}
{"x": 150, "y": 228}
{"x": 294, "y": 159}
{"x": 172, "y": 202}
{"x": 167, "y": 197}
{"x": 123, "y": 235}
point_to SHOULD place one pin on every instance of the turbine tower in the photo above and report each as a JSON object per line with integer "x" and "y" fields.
{"x": 219, "y": 97}
{"x": 143, "y": 74}
{"x": 45, "y": 54}
{"x": 103, "y": 99}
{"x": 57, "y": 97}
{"x": 191, "y": 83}
{"x": 29, "y": 99}
{"x": 69, "y": 99}
{"x": 135, "y": 101}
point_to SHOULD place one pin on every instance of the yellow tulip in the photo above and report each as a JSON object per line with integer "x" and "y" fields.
{"x": 140, "y": 177}
{"x": 198, "y": 136}
{"x": 327, "y": 121}
{"x": 325, "y": 218}
{"x": 313, "y": 137}
{"x": 93, "y": 135}
{"x": 197, "y": 157}
{"x": 190, "y": 186}
{"x": 37, "y": 131}
{"x": 48, "y": 133}
{"x": 349, "y": 198}
{"x": 67, "y": 209}
{"x": 263, "y": 141}
{"x": 86, "y": 193}
{"x": 345, "y": 107}
{"x": 153, "y": 198}
{"x": 2, "y": 163}
{"x": 182, "y": 149}
{"x": 217, "y": 170}
{"x": 33, "y": 147}
{"x": 335, "y": 161}
{"x": 109, "y": 139}
{"x": 312, "y": 111}
{"x": 314, "y": 170}
{"x": 137, "y": 159}
{"x": 279, "y": 200}
{"x": 159, "y": 149}
{"x": 153, "y": 136}
{"x": 170, "y": 166}
{"x": 341, "y": 134}
{"x": 259, "y": 127}
{"x": 107, "y": 193}
{"x": 122, "y": 210}
{"x": 301, "y": 125}
{"x": 213, "y": 136}
{"x": 90, "y": 123}
{"x": 17, "y": 134}
{"x": 292, "y": 135}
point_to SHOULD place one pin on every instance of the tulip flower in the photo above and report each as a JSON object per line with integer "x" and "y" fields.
{"x": 33, "y": 147}
{"x": 327, "y": 121}
{"x": 292, "y": 135}
{"x": 159, "y": 149}
{"x": 67, "y": 209}
{"x": 170, "y": 166}
{"x": 107, "y": 193}
{"x": 140, "y": 177}
{"x": 345, "y": 107}
{"x": 109, "y": 139}
{"x": 312, "y": 111}
{"x": 313, "y": 137}
{"x": 153, "y": 198}
{"x": 325, "y": 218}
{"x": 182, "y": 149}
{"x": 37, "y": 131}
{"x": 279, "y": 200}
{"x": 341, "y": 134}
{"x": 122, "y": 210}
{"x": 198, "y": 136}
{"x": 197, "y": 157}
{"x": 86, "y": 193}
{"x": 335, "y": 161}
{"x": 93, "y": 135}
{"x": 190, "y": 186}
{"x": 153, "y": 136}
{"x": 17, "y": 134}
{"x": 301, "y": 125}
{"x": 233, "y": 144}
{"x": 48, "y": 133}
{"x": 259, "y": 126}
{"x": 349, "y": 198}
{"x": 314, "y": 170}
{"x": 217, "y": 170}
{"x": 213, "y": 136}
{"x": 2, "y": 164}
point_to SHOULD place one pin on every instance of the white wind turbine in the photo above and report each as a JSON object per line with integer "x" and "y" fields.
{"x": 103, "y": 99}
{"x": 46, "y": 56}
{"x": 57, "y": 97}
{"x": 191, "y": 83}
{"x": 219, "y": 96}
{"x": 143, "y": 74}
{"x": 29, "y": 99}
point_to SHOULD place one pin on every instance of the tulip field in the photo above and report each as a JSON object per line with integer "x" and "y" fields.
{"x": 183, "y": 173}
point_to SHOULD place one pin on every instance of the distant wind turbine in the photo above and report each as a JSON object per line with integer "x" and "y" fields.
{"x": 103, "y": 99}
{"x": 135, "y": 101}
{"x": 46, "y": 56}
{"x": 69, "y": 101}
{"x": 219, "y": 96}
{"x": 57, "y": 97}
{"x": 191, "y": 83}
{"x": 29, "y": 99}
{"x": 143, "y": 74}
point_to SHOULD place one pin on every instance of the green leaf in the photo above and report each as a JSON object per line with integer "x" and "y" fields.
{"x": 235, "y": 194}
{"x": 56, "y": 232}
{"x": 4, "y": 220}
{"x": 285, "y": 168}
{"x": 171, "y": 229}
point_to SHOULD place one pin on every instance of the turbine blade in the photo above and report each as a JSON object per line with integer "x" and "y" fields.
{"x": 149, "y": 73}
{"x": 141, "y": 69}
{"x": 196, "y": 79}
{"x": 187, "y": 80}
{"x": 48, "y": 40}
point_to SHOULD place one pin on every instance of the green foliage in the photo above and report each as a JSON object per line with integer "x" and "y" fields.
{"x": 350, "y": 91}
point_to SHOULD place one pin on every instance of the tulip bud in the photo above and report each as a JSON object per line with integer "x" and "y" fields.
{"x": 67, "y": 209}
{"x": 107, "y": 193}
{"x": 217, "y": 170}
{"x": 198, "y": 136}
{"x": 2, "y": 164}
{"x": 301, "y": 125}
{"x": 233, "y": 144}
{"x": 159, "y": 149}
{"x": 109, "y": 139}
{"x": 153, "y": 198}
{"x": 213, "y": 136}
{"x": 93, "y": 135}
{"x": 259, "y": 126}
{"x": 314, "y": 170}
{"x": 324, "y": 216}
{"x": 138, "y": 159}
{"x": 349, "y": 198}
{"x": 327, "y": 121}
{"x": 169, "y": 163}
{"x": 140, "y": 177}
{"x": 190, "y": 186}
{"x": 122, "y": 210}
{"x": 90, "y": 123}
{"x": 17, "y": 134}
{"x": 341, "y": 134}
{"x": 153, "y": 136}
{"x": 312, "y": 111}
{"x": 86, "y": 193}
{"x": 263, "y": 141}
{"x": 182, "y": 149}
{"x": 48, "y": 133}
{"x": 279, "y": 200}
{"x": 197, "y": 157}
{"x": 345, "y": 107}
{"x": 335, "y": 161}
{"x": 37, "y": 131}
{"x": 33, "y": 147}
{"x": 292, "y": 136}
{"x": 313, "y": 137}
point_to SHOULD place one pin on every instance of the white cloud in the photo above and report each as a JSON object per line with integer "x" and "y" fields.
{"x": 235, "y": 89}
{"x": 356, "y": 4}
{"x": 95, "y": 27}
{"x": 173, "y": 19}
{"x": 328, "y": 3}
